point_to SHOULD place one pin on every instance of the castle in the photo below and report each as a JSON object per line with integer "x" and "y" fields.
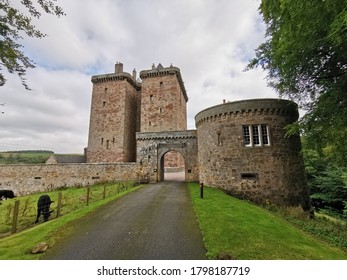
{"x": 138, "y": 129}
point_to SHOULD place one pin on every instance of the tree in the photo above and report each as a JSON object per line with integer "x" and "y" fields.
{"x": 14, "y": 24}
{"x": 327, "y": 183}
{"x": 305, "y": 56}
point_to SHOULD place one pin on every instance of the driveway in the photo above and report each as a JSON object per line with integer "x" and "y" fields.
{"x": 156, "y": 222}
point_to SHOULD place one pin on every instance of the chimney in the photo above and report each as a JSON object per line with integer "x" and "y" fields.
{"x": 134, "y": 74}
{"x": 223, "y": 101}
{"x": 119, "y": 68}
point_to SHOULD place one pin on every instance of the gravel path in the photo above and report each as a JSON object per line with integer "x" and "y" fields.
{"x": 156, "y": 222}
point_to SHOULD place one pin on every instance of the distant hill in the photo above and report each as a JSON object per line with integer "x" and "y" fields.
{"x": 25, "y": 157}
{"x": 30, "y": 152}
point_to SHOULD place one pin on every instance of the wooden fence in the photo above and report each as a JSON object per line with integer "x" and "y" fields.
{"x": 21, "y": 214}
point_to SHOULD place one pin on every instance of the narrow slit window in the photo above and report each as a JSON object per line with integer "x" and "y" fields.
{"x": 151, "y": 97}
{"x": 219, "y": 141}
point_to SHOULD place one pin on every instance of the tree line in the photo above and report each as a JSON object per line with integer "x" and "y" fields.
{"x": 305, "y": 58}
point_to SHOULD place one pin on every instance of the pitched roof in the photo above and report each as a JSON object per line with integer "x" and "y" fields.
{"x": 66, "y": 159}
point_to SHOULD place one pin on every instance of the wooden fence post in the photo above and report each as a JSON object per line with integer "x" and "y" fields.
{"x": 104, "y": 193}
{"x": 59, "y": 204}
{"x": 15, "y": 217}
{"x": 88, "y": 194}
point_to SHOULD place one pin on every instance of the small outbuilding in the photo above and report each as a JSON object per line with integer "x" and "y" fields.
{"x": 60, "y": 159}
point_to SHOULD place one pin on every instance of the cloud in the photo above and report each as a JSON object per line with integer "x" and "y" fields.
{"x": 211, "y": 41}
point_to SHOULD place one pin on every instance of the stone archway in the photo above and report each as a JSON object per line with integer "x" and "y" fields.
{"x": 152, "y": 147}
{"x": 173, "y": 166}
{"x": 164, "y": 161}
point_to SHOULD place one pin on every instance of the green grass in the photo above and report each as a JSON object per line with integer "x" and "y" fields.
{"x": 72, "y": 199}
{"x": 245, "y": 231}
{"x": 18, "y": 246}
{"x": 24, "y": 157}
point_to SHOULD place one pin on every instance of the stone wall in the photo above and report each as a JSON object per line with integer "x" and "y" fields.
{"x": 269, "y": 171}
{"x": 26, "y": 179}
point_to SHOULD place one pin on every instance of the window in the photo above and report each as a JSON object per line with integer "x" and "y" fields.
{"x": 246, "y": 135}
{"x": 219, "y": 141}
{"x": 256, "y": 135}
{"x": 151, "y": 97}
{"x": 249, "y": 176}
{"x": 265, "y": 135}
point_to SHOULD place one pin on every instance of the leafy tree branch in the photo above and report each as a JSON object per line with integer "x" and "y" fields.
{"x": 16, "y": 23}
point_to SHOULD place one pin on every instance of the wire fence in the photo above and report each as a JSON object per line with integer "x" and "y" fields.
{"x": 20, "y": 213}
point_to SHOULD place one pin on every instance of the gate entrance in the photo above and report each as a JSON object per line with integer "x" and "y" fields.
{"x": 173, "y": 167}
{"x": 158, "y": 152}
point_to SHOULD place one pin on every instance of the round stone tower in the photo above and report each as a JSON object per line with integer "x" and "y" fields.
{"x": 243, "y": 149}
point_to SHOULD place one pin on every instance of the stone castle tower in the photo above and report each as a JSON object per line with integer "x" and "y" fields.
{"x": 122, "y": 105}
{"x": 243, "y": 149}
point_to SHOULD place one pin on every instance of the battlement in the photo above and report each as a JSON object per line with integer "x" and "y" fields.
{"x": 166, "y": 135}
{"x": 268, "y": 106}
{"x": 116, "y": 77}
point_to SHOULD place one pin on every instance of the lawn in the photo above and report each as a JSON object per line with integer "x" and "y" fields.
{"x": 24, "y": 157}
{"x": 245, "y": 231}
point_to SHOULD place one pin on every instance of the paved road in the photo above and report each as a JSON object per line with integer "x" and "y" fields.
{"x": 156, "y": 222}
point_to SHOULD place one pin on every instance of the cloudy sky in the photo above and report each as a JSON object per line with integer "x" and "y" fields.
{"x": 211, "y": 41}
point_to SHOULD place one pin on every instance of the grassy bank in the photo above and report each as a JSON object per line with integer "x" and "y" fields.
{"x": 244, "y": 231}
{"x": 18, "y": 246}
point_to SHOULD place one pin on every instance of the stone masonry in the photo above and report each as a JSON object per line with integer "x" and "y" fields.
{"x": 25, "y": 179}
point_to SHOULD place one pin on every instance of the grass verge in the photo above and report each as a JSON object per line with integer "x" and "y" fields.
{"x": 244, "y": 231}
{"x": 18, "y": 246}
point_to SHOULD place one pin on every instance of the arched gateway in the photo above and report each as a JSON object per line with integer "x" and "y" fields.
{"x": 153, "y": 146}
